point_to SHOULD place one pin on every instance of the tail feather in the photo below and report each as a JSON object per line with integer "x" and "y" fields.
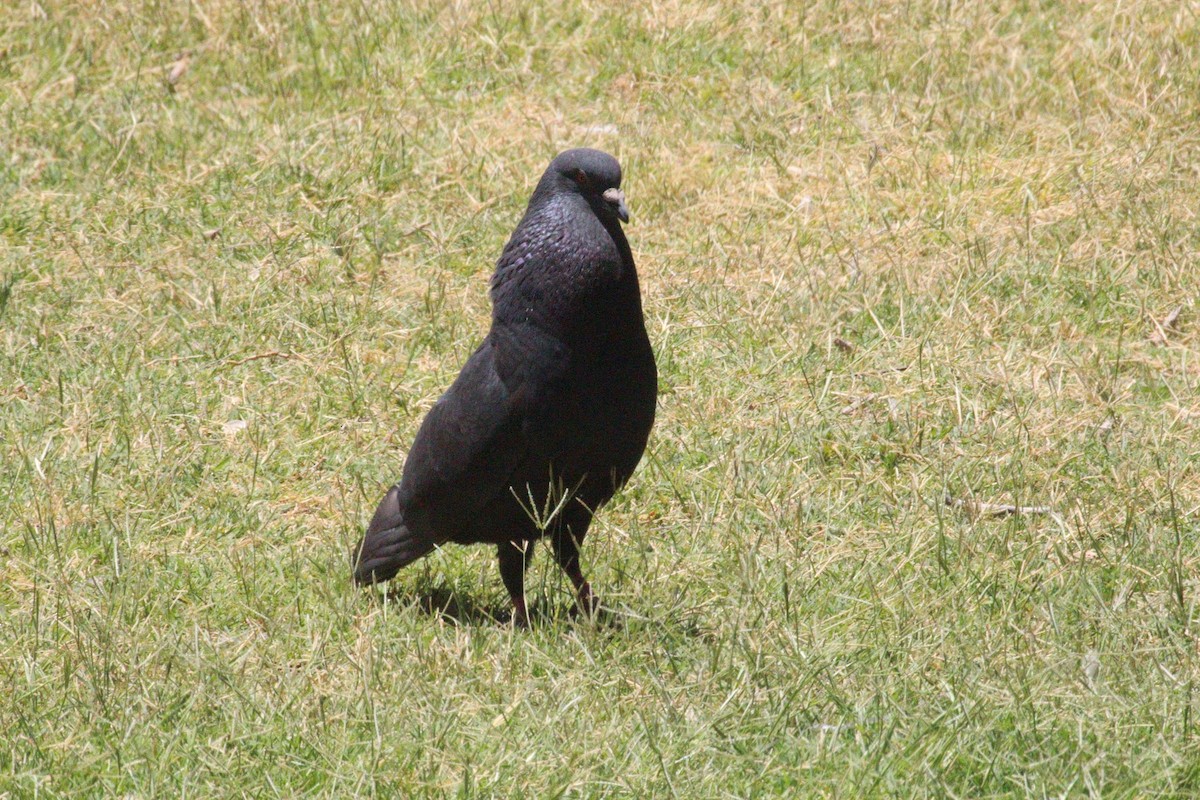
{"x": 388, "y": 543}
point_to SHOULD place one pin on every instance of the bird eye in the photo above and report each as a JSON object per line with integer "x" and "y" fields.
{"x": 580, "y": 177}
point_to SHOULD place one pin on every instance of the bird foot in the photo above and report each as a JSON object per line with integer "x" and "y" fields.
{"x": 586, "y": 602}
{"x": 520, "y": 617}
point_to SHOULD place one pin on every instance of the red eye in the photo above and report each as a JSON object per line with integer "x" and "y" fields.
{"x": 581, "y": 178}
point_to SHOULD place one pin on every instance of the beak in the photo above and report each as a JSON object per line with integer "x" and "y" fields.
{"x": 616, "y": 199}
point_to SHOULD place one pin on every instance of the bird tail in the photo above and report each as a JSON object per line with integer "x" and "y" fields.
{"x": 388, "y": 543}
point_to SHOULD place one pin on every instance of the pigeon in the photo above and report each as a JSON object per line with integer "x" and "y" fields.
{"x": 551, "y": 414}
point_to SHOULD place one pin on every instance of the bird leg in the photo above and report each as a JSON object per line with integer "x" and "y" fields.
{"x": 566, "y": 553}
{"x": 514, "y": 558}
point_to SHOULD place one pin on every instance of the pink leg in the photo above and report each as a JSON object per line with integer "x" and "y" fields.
{"x": 514, "y": 558}
{"x": 566, "y": 552}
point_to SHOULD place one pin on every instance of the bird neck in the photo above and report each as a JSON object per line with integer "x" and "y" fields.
{"x": 569, "y": 273}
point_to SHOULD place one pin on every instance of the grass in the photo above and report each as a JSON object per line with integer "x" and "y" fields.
{"x": 888, "y": 257}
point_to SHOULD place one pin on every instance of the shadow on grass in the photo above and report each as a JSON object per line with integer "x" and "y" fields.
{"x": 458, "y": 608}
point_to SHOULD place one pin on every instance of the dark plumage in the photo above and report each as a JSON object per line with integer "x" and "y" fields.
{"x": 557, "y": 402}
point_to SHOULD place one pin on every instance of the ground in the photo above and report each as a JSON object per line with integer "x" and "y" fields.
{"x": 901, "y": 266}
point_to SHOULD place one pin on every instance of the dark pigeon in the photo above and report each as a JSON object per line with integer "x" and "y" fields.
{"x": 550, "y": 415}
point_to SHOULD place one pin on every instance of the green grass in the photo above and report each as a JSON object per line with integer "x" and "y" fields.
{"x": 994, "y": 206}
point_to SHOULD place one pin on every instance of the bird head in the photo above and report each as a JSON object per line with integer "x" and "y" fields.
{"x": 593, "y": 174}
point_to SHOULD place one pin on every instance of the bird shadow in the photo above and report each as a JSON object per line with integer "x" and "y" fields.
{"x": 445, "y": 603}
{"x": 456, "y": 608}
{"x": 461, "y": 609}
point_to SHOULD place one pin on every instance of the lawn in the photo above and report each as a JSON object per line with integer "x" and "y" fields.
{"x": 905, "y": 269}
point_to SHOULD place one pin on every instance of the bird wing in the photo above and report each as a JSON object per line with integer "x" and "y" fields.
{"x": 473, "y": 440}
{"x": 467, "y": 450}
